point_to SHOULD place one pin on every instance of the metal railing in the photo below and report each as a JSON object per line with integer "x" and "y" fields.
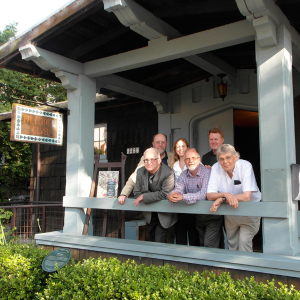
{"x": 30, "y": 218}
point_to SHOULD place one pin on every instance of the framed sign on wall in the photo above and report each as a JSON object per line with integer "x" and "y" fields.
{"x": 32, "y": 125}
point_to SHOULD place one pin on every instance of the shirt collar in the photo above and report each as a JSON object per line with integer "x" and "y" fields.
{"x": 198, "y": 172}
{"x": 233, "y": 172}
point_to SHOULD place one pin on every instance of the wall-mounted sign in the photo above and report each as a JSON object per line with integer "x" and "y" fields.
{"x": 33, "y": 125}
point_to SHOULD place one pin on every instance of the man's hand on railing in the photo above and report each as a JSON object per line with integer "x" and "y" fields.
{"x": 175, "y": 197}
{"x": 138, "y": 200}
{"x": 216, "y": 204}
{"x": 121, "y": 199}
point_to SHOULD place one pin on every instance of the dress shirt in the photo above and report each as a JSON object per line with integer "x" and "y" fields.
{"x": 220, "y": 182}
{"x": 193, "y": 188}
{"x": 177, "y": 170}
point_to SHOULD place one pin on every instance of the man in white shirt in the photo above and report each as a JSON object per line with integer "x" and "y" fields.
{"x": 232, "y": 180}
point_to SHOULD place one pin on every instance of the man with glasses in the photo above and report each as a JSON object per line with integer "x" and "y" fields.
{"x": 232, "y": 180}
{"x": 190, "y": 187}
{"x": 160, "y": 143}
{"x": 153, "y": 183}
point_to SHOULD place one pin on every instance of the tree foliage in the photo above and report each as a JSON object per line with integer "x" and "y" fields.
{"x": 8, "y": 32}
{"x": 15, "y": 173}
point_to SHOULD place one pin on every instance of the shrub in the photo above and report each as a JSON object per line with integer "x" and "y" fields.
{"x": 21, "y": 277}
{"x": 21, "y": 274}
{"x": 101, "y": 279}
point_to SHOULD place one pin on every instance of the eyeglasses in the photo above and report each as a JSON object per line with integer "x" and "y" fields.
{"x": 225, "y": 158}
{"x": 191, "y": 158}
{"x": 160, "y": 142}
{"x": 151, "y": 160}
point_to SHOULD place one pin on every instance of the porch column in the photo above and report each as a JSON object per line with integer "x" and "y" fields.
{"x": 80, "y": 150}
{"x": 277, "y": 141}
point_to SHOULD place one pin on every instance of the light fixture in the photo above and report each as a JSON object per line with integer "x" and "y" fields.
{"x": 222, "y": 87}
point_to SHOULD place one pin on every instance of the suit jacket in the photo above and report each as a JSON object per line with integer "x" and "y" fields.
{"x": 127, "y": 189}
{"x": 163, "y": 184}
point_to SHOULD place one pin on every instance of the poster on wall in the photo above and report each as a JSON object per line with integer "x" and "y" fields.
{"x": 33, "y": 125}
{"x": 108, "y": 182}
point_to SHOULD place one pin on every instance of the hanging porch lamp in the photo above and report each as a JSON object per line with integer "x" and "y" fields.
{"x": 222, "y": 87}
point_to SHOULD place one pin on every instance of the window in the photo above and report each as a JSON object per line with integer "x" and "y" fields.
{"x": 100, "y": 145}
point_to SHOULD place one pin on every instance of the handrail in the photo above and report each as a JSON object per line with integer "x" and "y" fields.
{"x": 32, "y": 206}
{"x": 251, "y": 209}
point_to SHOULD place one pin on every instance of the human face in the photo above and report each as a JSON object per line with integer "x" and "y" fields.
{"x": 215, "y": 141}
{"x": 180, "y": 148}
{"x": 192, "y": 160}
{"x": 227, "y": 161}
{"x": 160, "y": 143}
{"x": 152, "y": 166}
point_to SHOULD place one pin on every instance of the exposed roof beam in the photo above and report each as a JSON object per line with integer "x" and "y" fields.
{"x": 50, "y": 61}
{"x": 47, "y": 27}
{"x": 143, "y": 22}
{"x": 212, "y": 64}
{"x": 130, "y": 88}
{"x": 204, "y": 7}
{"x": 268, "y": 15}
{"x": 161, "y": 50}
{"x": 254, "y": 10}
{"x": 97, "y": 41}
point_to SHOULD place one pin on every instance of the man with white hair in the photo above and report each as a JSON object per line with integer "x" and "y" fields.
{"x": 232, "y": 180}
{"x": 160, "y": 143}
{"x": 153, "y": 183}
{"x": 191, "y": 186}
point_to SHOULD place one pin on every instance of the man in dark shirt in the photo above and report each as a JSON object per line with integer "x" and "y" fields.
{"x": 215, "y": 139}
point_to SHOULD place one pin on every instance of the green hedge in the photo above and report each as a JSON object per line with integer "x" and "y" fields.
{"x": 21, "y": 277}
{"x": 101, "y": 279}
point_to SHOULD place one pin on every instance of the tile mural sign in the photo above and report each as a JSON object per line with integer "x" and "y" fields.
{"x": 108, "y": 184}
{"x": 32, "y": 125}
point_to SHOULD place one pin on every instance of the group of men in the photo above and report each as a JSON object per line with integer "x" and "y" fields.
{"x": 153, "y": 180}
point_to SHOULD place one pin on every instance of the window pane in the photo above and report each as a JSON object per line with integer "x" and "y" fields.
{"x": 96, "y": 134}
{"x": 103, "y": 148}
{"x": 96, "y": 148}
{"x": 102, "y": 133}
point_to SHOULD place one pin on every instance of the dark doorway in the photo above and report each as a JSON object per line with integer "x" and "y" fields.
{"x": 246, "y": 142}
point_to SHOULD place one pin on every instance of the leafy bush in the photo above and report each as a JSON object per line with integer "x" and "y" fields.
{"x": 5, "y": 215}
{"x": 21, "y": 274}
{"x": 21, "y": 277}
{"x": 101, "y": 279}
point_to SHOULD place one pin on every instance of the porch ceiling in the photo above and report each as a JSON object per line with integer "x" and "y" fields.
{"x": 84, "y": 31}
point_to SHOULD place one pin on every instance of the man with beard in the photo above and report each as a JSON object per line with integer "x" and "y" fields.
{"x": 160, "y": 143}
{"x": 190, "y": 187}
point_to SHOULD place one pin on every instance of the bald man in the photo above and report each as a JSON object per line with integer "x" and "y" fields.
{"x": 160, "y": 143}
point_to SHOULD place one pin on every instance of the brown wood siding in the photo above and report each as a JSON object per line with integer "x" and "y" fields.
{"x": 53, "y": 170}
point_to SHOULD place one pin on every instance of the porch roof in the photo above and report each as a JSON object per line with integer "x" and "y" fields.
{"x": 85, "y": 31}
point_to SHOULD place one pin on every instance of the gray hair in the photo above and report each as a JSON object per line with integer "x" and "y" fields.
{"x": 227, "y": 148}
{"x": 154, "y": 151}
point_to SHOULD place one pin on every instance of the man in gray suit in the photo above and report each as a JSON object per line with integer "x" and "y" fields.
{"x": 154, "y": 182}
